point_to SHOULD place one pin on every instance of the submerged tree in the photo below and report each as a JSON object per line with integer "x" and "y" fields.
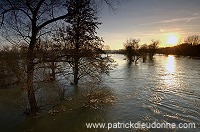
{"x": 81, "y": 44}
{"x": 143, "y": 52}
{"x": 11, "y": 67}
{"x": 132, "y": 49}
{"x": 27, "y": 21}
{"x": 152, "y": 48}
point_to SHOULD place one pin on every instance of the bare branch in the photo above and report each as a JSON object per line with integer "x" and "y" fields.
{"x": 29, "y": 6}
{"x": 51, "y": 21}
{"x": 38, "y": 6}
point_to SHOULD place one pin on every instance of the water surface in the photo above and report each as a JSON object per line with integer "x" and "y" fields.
{"x": 166, "y": 89}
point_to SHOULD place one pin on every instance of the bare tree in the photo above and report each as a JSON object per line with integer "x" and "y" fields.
{"x": 82, "y": 46}
{"x": 193, "y": 40}
{"x": 152, "y": 48}
{"x": 143, "y": 51}
{"x": 29, "y": 20}
{"x": 132, "y": 49}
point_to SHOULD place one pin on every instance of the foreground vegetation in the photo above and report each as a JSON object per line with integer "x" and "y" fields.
{"x": 50, "y": 40}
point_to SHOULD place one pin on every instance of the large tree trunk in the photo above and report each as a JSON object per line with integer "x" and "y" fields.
{"x": 30, "y": 88}
{"x": 53, "y": 71}
{"x": 76, "y": 60}
{"x": 30, "y": 71}
{"x": 76, "y": 70}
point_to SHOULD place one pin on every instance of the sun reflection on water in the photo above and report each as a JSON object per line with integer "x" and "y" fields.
{"x": 169, "y": 78}
{"x": 170, "y": 65}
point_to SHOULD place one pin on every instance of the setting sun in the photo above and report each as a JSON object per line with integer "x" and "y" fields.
{"x": 169, "y": 39}
{"x": 172, "y": 40}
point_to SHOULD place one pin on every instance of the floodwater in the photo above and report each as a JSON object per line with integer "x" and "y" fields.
{"x": 166, "y": 89}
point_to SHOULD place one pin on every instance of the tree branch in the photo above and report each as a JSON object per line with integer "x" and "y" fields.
{"x": 52, "y": 20}
{"x": 38, "y": 6}
{"x": 29, "y": 6}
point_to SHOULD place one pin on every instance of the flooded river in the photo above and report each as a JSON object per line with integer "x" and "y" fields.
{"x": 166, "y": 89}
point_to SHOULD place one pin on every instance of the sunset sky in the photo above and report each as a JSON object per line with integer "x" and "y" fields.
{"x": 164, "y": 20}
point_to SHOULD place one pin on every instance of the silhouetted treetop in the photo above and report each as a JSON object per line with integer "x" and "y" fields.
{"x": 193, "y": 40}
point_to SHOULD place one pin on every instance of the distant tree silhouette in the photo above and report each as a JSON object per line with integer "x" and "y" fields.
{"x": 193, "y": 40}
{"x": 132, "y": 49}
{"x": 12, "y": 67}
{"x": 191, "y": 47}
{"x": 143, "y": 51}
{"x": 152, "y": 48}
{"x": 134, "y": 52}
{"x": 106, "y": 47}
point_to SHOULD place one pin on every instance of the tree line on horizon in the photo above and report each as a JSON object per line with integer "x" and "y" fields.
{"x": 190, "y": 47}
{"x": 134, "y": 51}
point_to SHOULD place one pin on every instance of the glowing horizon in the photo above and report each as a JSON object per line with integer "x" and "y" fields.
{"x": 166, "y": 40}
{"x": 170, "y": 22}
